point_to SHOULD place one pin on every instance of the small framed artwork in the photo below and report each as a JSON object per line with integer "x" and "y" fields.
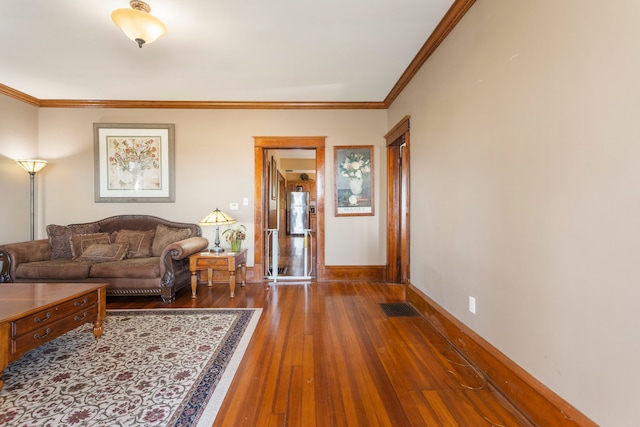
{"x": 134, "y": 163}
{"x": 354, "y": 180}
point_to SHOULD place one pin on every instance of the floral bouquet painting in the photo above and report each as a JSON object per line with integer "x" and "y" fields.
{"x": 354, "y": 180}
{"x": 355, "y": 166}
{"x": 134, "y": 163}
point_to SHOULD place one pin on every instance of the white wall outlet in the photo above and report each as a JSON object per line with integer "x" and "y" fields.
{"x": 233, "y": 206}
{"x": 472, "y": 305}
{"x": 245, "y": 201}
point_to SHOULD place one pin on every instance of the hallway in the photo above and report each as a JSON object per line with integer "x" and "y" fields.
{"x": 292, "y": 253}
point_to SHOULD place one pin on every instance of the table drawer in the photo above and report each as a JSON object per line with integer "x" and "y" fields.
{"x": 23, "y": 343}
{"x": 212, "y": 262}
{"x": 49, "y": 316}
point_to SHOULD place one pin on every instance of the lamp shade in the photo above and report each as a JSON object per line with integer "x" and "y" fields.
{"x": 217, "y": 217}
{"x": 32, "y": 165}
{"x": 138, "y": 24}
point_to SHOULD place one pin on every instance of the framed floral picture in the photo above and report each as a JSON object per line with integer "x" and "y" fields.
{"x": 354, "y": 180}
{"x": 134, "y": 163}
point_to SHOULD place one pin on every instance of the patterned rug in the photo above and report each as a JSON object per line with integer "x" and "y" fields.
{"x": 163, "y": 367}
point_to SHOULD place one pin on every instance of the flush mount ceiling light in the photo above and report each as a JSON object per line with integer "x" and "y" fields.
{"x": 138, "y": 24}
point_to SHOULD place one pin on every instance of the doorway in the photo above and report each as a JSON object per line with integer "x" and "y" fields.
{"x": 270, "y": 192}
{"x": 398, "y": 202}
{"x": 292, "y": 219}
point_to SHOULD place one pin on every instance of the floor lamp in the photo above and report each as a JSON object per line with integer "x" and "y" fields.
{"x": 32, "y": 167}
{"x": 217, "y": 218}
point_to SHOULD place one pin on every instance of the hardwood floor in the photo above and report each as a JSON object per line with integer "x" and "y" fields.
{"x": 292, "y": 253}
{"x": 325, "y": 354}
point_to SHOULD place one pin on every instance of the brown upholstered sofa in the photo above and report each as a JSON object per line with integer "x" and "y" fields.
{"x": 133, "y": 254}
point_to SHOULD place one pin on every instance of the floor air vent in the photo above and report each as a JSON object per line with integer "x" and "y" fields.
{"x": 398, "y": 309}
{"x": 281, "y": 270}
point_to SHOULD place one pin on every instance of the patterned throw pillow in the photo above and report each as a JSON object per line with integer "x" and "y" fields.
{"x": 139, "y": 242}
{"x": 59, "y": 237}
{"x": 104, "y": 252}
{"x": 80, "y": 242}
{"x": 167, "y": 235}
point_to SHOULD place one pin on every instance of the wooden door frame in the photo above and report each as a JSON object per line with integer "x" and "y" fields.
{"x": 261, "y": 145}
{"x": 398, "y": 196}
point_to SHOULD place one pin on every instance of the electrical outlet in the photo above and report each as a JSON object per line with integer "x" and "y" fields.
{"x": 245, "y": 201}
{"x": 472, "y": 305}
{"x": 233, "y": 206}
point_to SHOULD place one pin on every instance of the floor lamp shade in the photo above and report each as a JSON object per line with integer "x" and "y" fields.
{"x": 32, "y": 166}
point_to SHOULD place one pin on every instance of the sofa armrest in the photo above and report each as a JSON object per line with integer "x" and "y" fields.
{"x": 183, "y": 248}
{"x": 14, "y": 254}
{"x": 171, "y": 257}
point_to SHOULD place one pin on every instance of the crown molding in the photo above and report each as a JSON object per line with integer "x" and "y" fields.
{"x": 20, "y": 96}
{"x": 446, "y": 25}
{"x": 210, "y": 105}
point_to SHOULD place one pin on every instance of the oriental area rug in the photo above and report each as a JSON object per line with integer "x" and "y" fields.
{"x": 162, "y": 367}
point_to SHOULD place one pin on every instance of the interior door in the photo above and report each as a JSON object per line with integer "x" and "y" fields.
{"x": 398, "y": 203}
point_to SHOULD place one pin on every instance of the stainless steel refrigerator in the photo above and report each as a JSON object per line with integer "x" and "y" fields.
{"x": 297, "y": 212}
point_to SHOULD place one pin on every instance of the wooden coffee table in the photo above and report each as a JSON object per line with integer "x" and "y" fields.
{"x": 32, "y": 314}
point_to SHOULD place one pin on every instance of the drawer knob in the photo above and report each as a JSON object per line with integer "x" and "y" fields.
{"x": 76, "y": 318}
{"x": 80, "y": 304}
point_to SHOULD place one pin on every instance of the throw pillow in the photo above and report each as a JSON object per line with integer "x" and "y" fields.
{"x": 139, "y": 242}
{"x": 104, "y": 252}
{"x": 59, "y": 237}
{"x": 167, "y": 235}
{"x": 80, "y": 242}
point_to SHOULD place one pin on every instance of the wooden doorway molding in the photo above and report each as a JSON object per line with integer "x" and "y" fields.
{"x": 261, "y": 145}
{"x": 398, "y": 202}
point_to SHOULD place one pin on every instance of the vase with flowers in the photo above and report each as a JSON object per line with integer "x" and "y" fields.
{"x": 235, "y": 236}
{"x": 355, "y": 168}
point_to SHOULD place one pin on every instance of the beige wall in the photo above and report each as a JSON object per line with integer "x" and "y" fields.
{"x": 18, "y": 140}
{"x": 526, "y": 127}
{"x": 214, "y": 167}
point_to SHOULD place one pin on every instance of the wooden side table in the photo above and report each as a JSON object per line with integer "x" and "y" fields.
{"x": 223, "y": 261}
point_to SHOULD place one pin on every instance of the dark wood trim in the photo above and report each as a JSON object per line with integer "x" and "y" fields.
{"x": 20, "y": 96}
{"x": 210, "y": 105}
{"x": 277, "y": 142}
{"x": 393, "y": 214}
{"x": 398, "y": 130}
{"x": 260, "y": 195}
{"x": 398, "y": 202}
{"x": 446, "y": 25}
{"x": 373, "y": 273}
{"x": 535, "y": 400}
{"x": 320, "y": 209}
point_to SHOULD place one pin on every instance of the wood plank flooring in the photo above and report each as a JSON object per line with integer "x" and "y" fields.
{"x": 292, "y": 252}
{"x": 325, "y": 354}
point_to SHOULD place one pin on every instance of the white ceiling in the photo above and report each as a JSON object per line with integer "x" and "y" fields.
{"x": 215, "y": 50}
